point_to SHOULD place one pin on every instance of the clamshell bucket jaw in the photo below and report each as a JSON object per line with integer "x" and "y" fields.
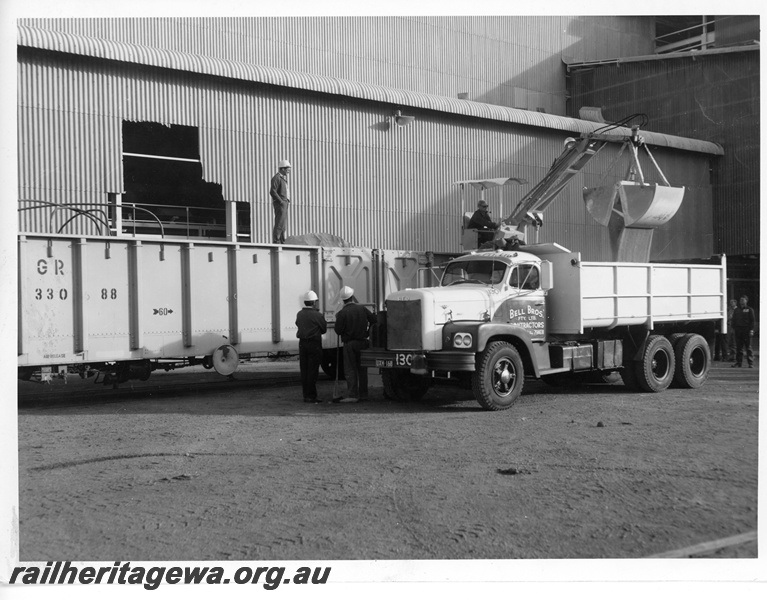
{"x": 642, "y": 205}
{"x": 649, "y": 205}
{"x": 600, "y": 202}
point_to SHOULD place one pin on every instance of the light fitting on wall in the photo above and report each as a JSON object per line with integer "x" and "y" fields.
{"x": 401, "y": 120}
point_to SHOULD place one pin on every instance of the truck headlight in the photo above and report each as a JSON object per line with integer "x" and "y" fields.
{"x": 462, "y": 340}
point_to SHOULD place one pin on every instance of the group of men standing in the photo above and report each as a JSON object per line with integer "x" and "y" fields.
{"x": 741, "y": 322}
{"x": 352, "y": 325}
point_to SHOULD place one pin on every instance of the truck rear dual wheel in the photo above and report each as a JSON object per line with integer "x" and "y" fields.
{"x": 497, "y": 383}
{"x": 693, "y": 361}
{"x": 655, "y": 371}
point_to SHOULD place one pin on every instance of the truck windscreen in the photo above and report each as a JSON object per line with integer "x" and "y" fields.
{"x": 474, "y": 271}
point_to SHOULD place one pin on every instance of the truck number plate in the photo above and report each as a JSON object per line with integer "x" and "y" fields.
{"x": 400, "y": 359}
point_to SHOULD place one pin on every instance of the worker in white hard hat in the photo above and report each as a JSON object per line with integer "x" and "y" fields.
{"x": 353, "y": 323}
{"x": 311, "y": 325}
{"x": 280, "y": 194}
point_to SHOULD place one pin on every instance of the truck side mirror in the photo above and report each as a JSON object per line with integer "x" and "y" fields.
{"x": 547, "y": 275}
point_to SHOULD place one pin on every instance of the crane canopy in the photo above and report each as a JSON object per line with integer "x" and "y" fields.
{"x": 484, "y": 184}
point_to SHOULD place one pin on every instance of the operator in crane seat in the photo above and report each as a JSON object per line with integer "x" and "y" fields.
{"x": 353, "y": 323}
{"x": 482, "y": 222}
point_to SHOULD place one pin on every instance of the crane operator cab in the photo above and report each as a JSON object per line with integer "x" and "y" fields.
{"x": 478, "y": 230}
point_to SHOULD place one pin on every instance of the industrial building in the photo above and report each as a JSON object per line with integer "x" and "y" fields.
{"x": 704, "y": 83}
{"x": 117, "y": 115}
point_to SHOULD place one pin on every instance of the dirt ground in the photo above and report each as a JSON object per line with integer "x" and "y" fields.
{"x": 238, "y": 472}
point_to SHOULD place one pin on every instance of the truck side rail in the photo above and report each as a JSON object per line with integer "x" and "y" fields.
{"x": 634, "y": 293}
{"x": 611, "y": 294}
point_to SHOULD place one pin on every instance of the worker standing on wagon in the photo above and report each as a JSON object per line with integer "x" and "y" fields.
{"x": 353, "y": 323}
{"x": 482, "y": 222}
{"x": 743, "y": 322}
{"x": 311, "y": 325}
{"x": 280, "y": 194}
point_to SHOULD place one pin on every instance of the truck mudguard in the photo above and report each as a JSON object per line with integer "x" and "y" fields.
{"x": 483, "y": 332}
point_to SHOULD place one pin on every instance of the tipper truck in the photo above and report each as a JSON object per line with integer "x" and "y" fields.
{"x": 500, "y": 316}
{"x": 507, "y": 310}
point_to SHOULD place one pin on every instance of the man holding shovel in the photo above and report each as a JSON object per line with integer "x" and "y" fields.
{"x": 311, "y": 325}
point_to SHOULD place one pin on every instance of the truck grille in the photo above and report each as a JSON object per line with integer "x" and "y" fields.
{"x": 404, "y": 325}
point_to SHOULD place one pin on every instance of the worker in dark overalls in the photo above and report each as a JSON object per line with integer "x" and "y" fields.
{"x": 743, "y": 322}
{"x": 353, "y": 323}
{"x": 311, "y": 325}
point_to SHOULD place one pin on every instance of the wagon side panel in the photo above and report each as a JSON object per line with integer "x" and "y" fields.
{"x": 46, "y": 302}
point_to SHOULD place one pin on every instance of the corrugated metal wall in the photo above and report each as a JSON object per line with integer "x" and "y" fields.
{"x": 69, "y": 141}
{"x": 513, "y": 61}
{"x": 706, "y": 96}
{"x": 354, "y": 175}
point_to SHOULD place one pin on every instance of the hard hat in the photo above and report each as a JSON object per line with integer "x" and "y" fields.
{"x": 346, "y": 292}
{"x": 283, "y": 163}
{"x": 310, "y": 296}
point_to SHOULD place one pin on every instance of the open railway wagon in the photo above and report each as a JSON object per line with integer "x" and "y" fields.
{"x": 120, "y": 308}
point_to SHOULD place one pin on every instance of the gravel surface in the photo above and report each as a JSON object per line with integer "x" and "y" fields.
{"x": 235, "y": 471}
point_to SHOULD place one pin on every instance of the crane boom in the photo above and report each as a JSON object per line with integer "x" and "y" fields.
{"x": 577, "y": 153}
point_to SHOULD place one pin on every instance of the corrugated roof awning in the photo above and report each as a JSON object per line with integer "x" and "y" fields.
{"x": 132, "y": 53}
{"x": 484, "y": 184}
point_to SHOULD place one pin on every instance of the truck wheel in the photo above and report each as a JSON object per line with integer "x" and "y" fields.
{"x": 656, "y": 369}
{"x": 693, "y": 360}
{"x": 403, "y": 386}
{"x": 500, "y": 375}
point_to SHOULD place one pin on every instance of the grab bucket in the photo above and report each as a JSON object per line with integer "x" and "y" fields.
{"x": 643, "y": 206}
{"x": 599, "y": 202}
{"x": 649, "y": 205}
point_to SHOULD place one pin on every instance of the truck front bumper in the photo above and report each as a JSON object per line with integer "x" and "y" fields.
{"x": 418, "y": 361}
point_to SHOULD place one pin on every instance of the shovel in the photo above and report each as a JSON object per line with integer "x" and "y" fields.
{"x": 336, "y": 395}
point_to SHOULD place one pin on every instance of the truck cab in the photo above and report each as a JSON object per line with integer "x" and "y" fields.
{"x": 439, "y": 331}
{"x": 477, "y": 292}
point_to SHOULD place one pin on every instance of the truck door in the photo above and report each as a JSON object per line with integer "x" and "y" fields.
{"x": 526, "y": 305}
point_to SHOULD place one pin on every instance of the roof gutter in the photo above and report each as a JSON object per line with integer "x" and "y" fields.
{"x": 158, "y": 57}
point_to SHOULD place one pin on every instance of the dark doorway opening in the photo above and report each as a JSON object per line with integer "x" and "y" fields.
{"x": 165, "y": 192}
